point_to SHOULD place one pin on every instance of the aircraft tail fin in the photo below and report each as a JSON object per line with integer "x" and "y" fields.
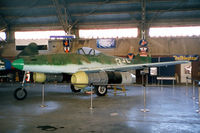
{"x": 30, "y": 50}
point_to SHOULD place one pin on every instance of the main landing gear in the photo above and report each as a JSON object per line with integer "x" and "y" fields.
{"x": 100, "y": 90}
{"x": 21, "y": 93}
{"x": 74, "y": 89}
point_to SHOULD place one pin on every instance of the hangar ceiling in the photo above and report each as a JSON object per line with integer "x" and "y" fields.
{"x": 26, "y": 13}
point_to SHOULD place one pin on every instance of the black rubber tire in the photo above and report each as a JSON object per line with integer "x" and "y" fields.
{"x": 20, "y": 94}
{"x": 74, "y": 90}
{"x": 99, "y": 92}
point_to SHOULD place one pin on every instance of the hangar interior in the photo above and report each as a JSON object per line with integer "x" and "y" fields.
{"x": 172, "y": 108}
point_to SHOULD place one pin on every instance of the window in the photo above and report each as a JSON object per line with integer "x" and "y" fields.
{"x": 108, "y": 33}
{"x": 88, "y": 51}
{"x": 37, "y": 34}
{"x": 24, "y": 38}
{"x": 174, "y": 31}
{"x": 2, "y": 36}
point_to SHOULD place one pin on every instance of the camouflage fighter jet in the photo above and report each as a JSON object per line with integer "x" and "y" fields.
{"x": 86, "y": 67}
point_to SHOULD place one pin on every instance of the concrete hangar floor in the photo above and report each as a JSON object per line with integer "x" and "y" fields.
{"x": 171, "y": 110}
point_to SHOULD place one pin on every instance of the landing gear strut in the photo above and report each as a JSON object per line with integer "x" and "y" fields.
{"x": 21, "y": 93}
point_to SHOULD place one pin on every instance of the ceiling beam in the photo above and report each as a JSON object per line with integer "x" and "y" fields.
{"x": 103, "y": 2}
{"x": 81, "y": 4}
{"x": 136, "y": 12}
{"x": 107, "y": 13}
{"x": 85, "y": 23}
{"x": 175, "y": 22}
{"x": 121, "y": 24}
{"x": 27, "y": 7}
{"x": 114, "y": 2}
{"x": 166, "y": 21}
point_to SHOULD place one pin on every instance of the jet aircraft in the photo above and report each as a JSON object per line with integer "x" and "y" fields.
{"x": 86, "y": 67}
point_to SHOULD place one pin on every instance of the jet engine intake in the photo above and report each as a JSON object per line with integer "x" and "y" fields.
{"x": 80, "y": 79}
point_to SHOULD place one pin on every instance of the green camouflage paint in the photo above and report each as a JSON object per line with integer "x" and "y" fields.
{"x": 72, "y": 58}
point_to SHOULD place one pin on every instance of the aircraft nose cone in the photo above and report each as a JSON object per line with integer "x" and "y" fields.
{"x": 18, "y": 64}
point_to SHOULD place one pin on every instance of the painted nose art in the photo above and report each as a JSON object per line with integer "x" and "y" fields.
{"x": 18, "y": 64}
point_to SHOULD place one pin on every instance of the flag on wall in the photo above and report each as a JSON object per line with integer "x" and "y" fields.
{"x": 143, "y": 50}
{"x": 66, "y": 46}
{"x": 130, "y": 56}
{"x": 143, "y": 43}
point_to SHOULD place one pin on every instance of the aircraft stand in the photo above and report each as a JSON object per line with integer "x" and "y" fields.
{"x": 193, "y": 90}
{"x": 144, "y": 89}
{"x": 91, "y": 99}
{"x": 198, "y": 111}
{"x": 43, "y": 105}
{"x": 122, "y": 89}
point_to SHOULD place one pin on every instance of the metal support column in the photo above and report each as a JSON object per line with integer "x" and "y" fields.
{"x": 193, "y": 90}
{"x": 43, "y": 105}
{"x": 198, "y": 111}
{"x": 144, "y": 89}
{"x": 91, "y": 99}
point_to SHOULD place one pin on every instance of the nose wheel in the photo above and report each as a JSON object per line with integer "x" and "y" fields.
{"x": 20, "y": 93}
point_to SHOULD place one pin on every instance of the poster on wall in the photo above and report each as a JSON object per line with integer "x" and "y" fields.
{"x": 153, "y": 71}
{"x": 106, "y": 43}
{"x": 186, "y": 72}
{"x": 186, "y": 57}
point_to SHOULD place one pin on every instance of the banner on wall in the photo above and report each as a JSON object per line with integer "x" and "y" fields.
{"x": 106, "y": 43}
{"x": 186, "y": 57}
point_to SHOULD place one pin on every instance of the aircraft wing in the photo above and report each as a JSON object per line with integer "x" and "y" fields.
{"x": 132, "y": 66}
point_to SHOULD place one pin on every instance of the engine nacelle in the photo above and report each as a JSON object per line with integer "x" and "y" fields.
{"x": 39, "y": 77}
{"x": 82, "y": 79}
{"x": 121, "y": 77}
{"x": 128, "y": 78}
{"x": 100, "y": 78}
{"x": 42, "y": 77}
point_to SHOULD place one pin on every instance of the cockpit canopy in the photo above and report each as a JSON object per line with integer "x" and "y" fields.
{"x": 88, "y": 51}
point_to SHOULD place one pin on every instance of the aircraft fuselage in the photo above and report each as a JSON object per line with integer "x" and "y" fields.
{"x": 70, "y": 63}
